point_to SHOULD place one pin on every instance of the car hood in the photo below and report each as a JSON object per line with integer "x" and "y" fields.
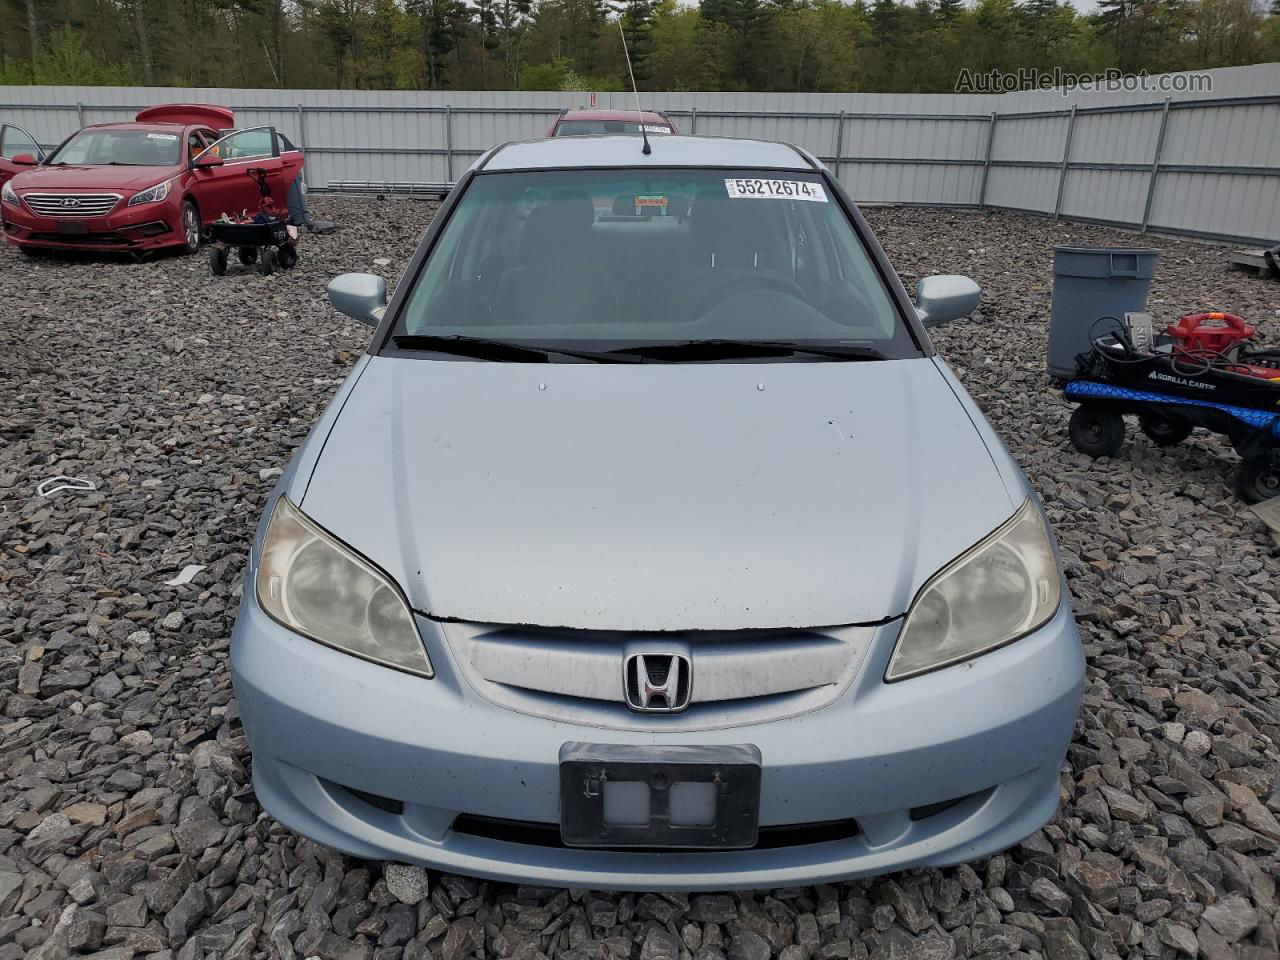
{"x": 656, "y": 497}
{"x": 92, "y": 178}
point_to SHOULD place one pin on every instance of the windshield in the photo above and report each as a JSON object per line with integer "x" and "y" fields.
{"x": 586, "y": 128}
{"x": 606, "y": 258}
{"x": 130, "y": 148}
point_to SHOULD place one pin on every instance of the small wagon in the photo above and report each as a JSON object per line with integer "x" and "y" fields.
{"x": 1206, "y": 374}
{"x": 265, "y": 240}
{"x": 266, "y": 244}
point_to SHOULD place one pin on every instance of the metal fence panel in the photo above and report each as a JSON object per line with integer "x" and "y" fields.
{"x": 1115, "y": 195}
{"x": 1101, "y": 138}
{"x": 1032, "y": 139}
{"x": 1199, "y": 162}
{"x": 1032, "y": 189}
{"x": 1216, "y": 205}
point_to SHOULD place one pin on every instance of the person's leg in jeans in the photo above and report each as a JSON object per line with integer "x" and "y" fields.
{"x": 299, "y": 214}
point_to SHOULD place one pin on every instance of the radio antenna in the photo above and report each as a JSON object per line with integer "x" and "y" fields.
{"x": 646, "y": 149}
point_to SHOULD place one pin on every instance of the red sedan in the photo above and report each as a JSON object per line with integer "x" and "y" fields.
{"x": 587, "y": 123}
{"x": 144, "y": 185}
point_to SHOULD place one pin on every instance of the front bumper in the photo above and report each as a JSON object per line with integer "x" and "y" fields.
{"x": 992, "y": 731}
{"x": 147, "y": 226}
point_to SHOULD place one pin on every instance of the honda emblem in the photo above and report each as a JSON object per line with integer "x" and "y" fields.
{"x": 658, "y": 682}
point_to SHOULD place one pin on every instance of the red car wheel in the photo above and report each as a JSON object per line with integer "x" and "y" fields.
{"x": 190, "y": 227}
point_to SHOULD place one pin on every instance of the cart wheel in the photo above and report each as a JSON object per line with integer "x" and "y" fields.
{"x": 248, "y": 256}
{"x": 267, "y": 262}
{"x": 1258, "y": 479}
{"x": 1097, "y": 432}
{"x": 218, "y": 261}
{"x": 1166, "y": 429}
{"x": 287, "y": 256}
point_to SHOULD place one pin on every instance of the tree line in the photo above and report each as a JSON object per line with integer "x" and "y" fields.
{"x": 783, "y": 45}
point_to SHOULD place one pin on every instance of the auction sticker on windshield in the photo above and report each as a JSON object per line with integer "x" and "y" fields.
{"x": 747, "y": 188}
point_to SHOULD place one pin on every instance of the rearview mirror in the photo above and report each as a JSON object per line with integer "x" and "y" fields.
{"x": 205, "y": 162}
{"x": 24, "y": 160}
{"x": 944, "y": 298}
{"x": 361, "y": 296}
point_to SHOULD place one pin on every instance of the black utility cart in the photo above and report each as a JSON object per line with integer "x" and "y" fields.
{"x": 265, "y": 241}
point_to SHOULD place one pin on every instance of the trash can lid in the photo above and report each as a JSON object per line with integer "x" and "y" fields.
{"x": 1141, "y": 251}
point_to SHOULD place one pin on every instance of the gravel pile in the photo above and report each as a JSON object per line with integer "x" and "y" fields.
{"x": 128, "y": 827}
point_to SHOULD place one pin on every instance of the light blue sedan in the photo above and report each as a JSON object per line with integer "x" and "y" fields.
{"x": 651, "y": 546}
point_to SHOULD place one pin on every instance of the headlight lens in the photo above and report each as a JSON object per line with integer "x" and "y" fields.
{"x": 9, "y": 195}
{"x": 322, "y": 589}
{"x": 151, "y": 194}
{"x": 1002, "y": 589}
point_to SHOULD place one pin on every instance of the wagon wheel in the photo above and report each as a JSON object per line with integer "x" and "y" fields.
{"x": 287, "y": 257}
{"x": 248, "y": 256}
{"x": 218, "y": 261}
{"x": 1258, "y": 479}
{"x": 1166, "y": 429}
{"x": 1097, "y": 432}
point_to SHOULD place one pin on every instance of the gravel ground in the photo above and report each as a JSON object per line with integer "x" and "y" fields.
{"x": 127, "y": 823}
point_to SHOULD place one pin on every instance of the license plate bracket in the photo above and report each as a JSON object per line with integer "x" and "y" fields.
{"x": 697, "y": 797}
{"x": 73, "y": 227}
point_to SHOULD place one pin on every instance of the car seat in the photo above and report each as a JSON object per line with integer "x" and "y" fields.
{"x": 732, "y": 233}
{"x": 560, "y": 277}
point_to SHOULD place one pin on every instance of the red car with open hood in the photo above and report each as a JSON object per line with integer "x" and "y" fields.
{"x": 136, "y": 187}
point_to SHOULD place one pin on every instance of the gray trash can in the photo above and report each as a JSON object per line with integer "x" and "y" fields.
{"x": 1090, "y": 283}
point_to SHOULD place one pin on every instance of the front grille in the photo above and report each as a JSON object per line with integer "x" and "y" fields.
{"x": 66, "y": 206}
{"x": 726, "y": 678}
{"x": 533, "y": 834}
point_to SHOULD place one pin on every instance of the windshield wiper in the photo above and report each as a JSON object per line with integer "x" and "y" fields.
{"x": 719, "y": 349}
{"x": 500, "y": 351}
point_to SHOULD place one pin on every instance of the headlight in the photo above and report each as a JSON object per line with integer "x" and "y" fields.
{"x": 320, "y": 588}
{"x": 8, "y": 195}
{"x": 151, "y": 194}
{"x": 1002, "y": 589}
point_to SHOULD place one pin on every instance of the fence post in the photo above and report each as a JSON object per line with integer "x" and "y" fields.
{"x": 1155, "y": 165}
{"x": 302, "y": 145}
{"x": 1066, "y": 155}
{"x": 986, "y": 164}
{"x": 693, "y": 120}
{"x": 79, "y": 114}
{"x": 839, "y": 145}
{"x": 448, "y": 141}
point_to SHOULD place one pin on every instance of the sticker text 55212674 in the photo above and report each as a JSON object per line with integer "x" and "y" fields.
{"x": 756, "y": 189}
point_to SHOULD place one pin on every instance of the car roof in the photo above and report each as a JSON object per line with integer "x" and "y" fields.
{"x": 667, "y": 151}
{"x": 586, "y": 114}
{"x": 133, "y": 125}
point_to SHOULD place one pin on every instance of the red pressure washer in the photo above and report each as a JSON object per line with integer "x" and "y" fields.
{"x": 1222, "y": 338}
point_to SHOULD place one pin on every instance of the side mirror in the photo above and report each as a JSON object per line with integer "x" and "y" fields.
{"x": 942, "y": 299}
{"x": 361, "y": 296}
{"x": 24, "y": 160}
{"x": 205, "y": 163}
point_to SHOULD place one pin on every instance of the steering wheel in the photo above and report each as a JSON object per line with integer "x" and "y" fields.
{"x": 736, "y": 286}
